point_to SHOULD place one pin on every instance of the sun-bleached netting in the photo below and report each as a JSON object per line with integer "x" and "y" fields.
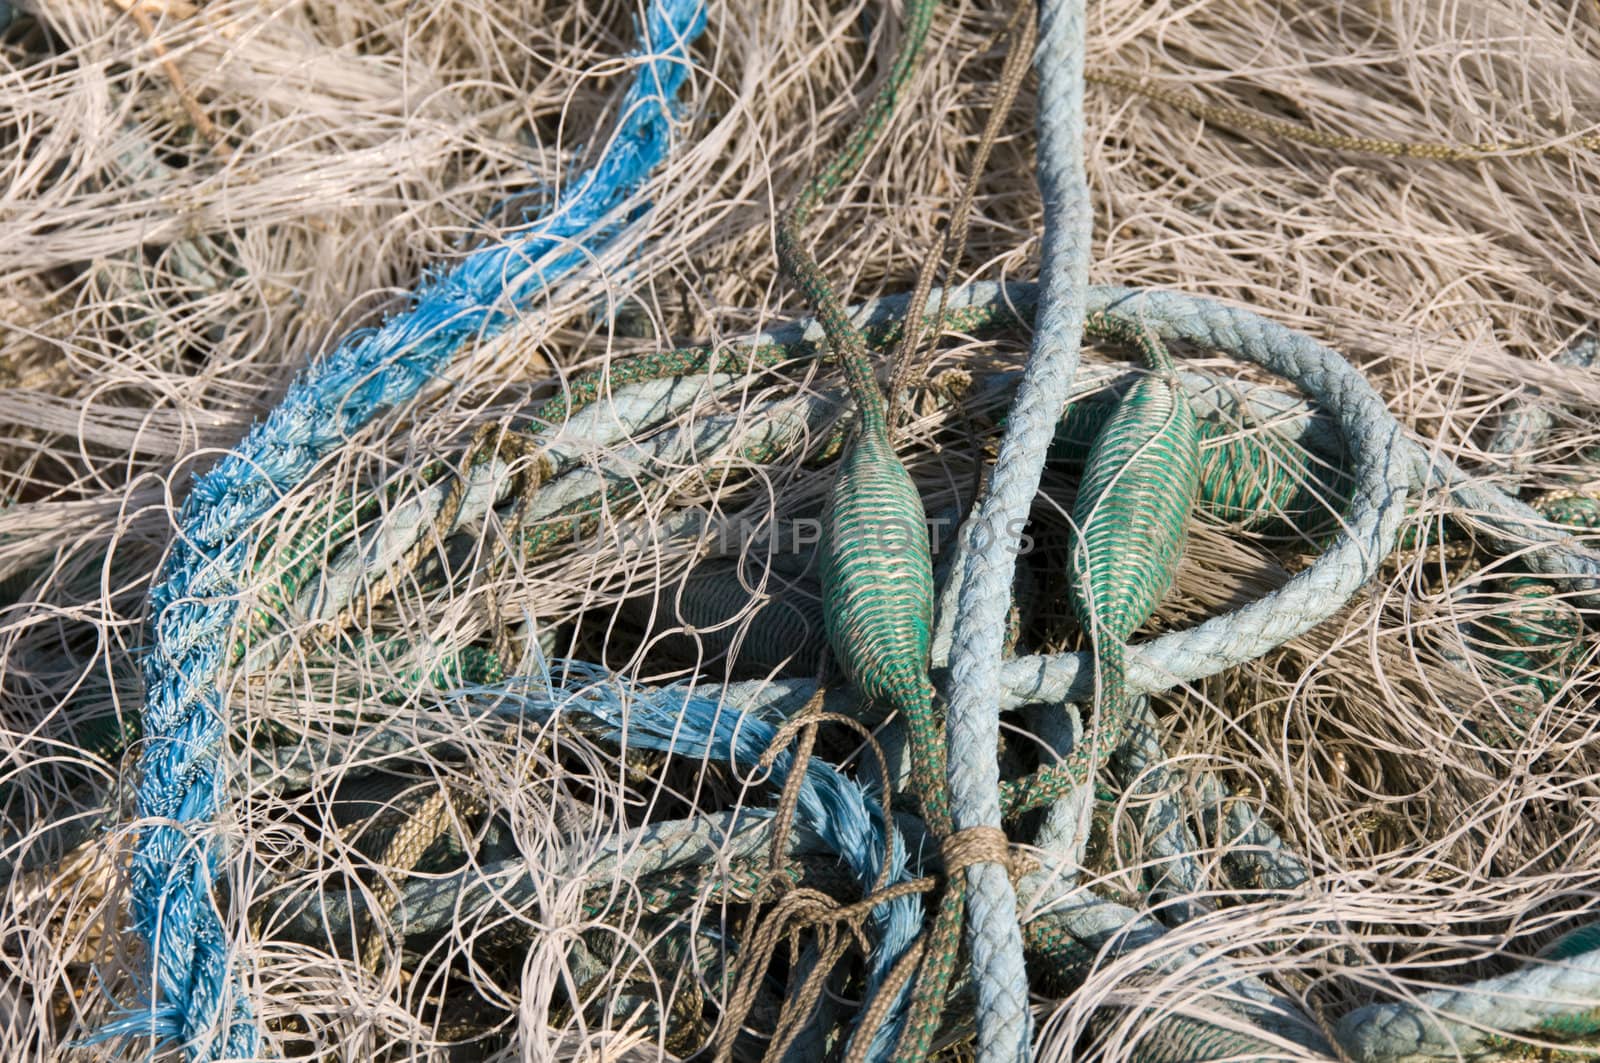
{"x": 439, "y": 839}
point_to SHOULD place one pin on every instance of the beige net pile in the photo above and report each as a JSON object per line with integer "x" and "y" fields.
{"x": 200, "y": 196}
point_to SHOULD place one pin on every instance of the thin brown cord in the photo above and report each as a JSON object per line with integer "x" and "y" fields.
{"x": 805, "y": 909}
{"x": 875, "y": 1014}
{"x": 805, "y": 723}
{"x": 1243, "y": 121}
{"x": 975, "y": 845}
{"x": 798, "y": 911}
{"x": 1021, "y": 33}
{"x": 800, "y": 1002}
{"x": 757, "y": 944}
{"x": 197, "y": 115}
{"x": 759, "y": 937}
{"x": 415, "y": 835}
{"x": 873, "y": 746}
{"x": 984, "y": 845}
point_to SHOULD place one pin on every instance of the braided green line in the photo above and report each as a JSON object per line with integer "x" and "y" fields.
{"x": 301, "y": 559}
{"x": 1575, "y": 509}
{"x": 869, "y": 126}
{"x": 1257, "y": 482}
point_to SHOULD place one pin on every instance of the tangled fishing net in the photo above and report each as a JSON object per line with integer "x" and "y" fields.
{"x": 465, "y": 712}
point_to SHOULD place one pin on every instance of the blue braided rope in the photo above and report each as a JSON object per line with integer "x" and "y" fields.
{"x": 193, "y": 605}
{"x": 994, "y": 935}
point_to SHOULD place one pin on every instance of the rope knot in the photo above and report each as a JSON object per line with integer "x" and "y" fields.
{"x": 984, "y": 845}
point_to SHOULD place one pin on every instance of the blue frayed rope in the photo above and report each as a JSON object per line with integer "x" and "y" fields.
{"x": 193, "y": 605}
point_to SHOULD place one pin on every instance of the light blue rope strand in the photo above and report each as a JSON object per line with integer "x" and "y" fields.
{"x": 1551, "y": 997}
{"x": 193, "y": 606}
{"x": 1176, "y": 880}
{"x": 1531, "y": 416}
{"x": 994, "y": 935}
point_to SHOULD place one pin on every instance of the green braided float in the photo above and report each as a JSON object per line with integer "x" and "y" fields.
{"x": 1130, "y": 521}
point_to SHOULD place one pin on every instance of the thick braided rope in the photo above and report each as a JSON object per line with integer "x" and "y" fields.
{"x": 1512, "y": 526}
{"x": 1560, "y": 996}
{"x": 1524, "y": 426}
{"x": 1555, "y": 995}
{"x": 1176, "y": 879}
{"x": 431, "y": 904}
{"x": 994, "y": 936}
{"x": 1256, "y": 857}
{"x": 1074, "y": 930}
{"x": 1070, "y": 931}
{"x": 193, "y": 606}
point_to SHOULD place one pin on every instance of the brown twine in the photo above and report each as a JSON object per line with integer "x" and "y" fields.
{"x": 415, "y": 835}
{"x": 805, "y": 725}
{"x": 800, "y": 910}
{"x": 758, "y": 942}
{"x": 138, "y": 10}
{"x": 1243, "y": 121}
{"x": 800, "y": 1002}
{"x": 878, "y": 1010}
{"x": 760, "y": 937}
{"x": 1021, "y": 33}
{"x": 984, "y": 845}
{"x": 975, "y": 845}
{"x": 836, "y": 925}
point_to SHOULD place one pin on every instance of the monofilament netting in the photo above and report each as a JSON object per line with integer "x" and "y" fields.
{"x": 446, "y": 786}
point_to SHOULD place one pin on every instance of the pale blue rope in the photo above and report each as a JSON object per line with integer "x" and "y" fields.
{"x": 1554, "y": 997}
{"x": 994, "y": 936}
{"x": 1531, "y": 416}
{"x": 1255, "y": 853}
{"x": 192, "y": 608}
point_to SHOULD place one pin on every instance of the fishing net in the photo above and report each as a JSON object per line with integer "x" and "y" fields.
{"x": 486, "y": 788}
